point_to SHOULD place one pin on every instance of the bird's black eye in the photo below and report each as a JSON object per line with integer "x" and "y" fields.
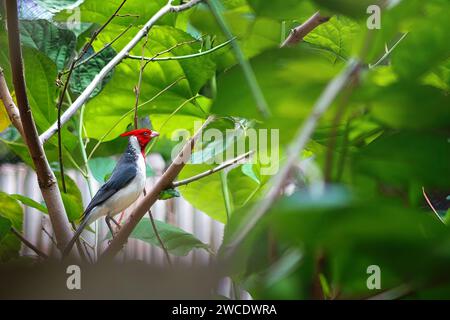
{"x": 145, "y": 133}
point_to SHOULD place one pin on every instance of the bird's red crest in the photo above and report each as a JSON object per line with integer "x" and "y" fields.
{"x": 144, "y": 136}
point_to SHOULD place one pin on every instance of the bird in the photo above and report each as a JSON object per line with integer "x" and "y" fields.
{"x": 124, "y": 186}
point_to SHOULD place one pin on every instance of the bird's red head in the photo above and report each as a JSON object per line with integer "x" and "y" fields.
{"x": 144, "y": 136}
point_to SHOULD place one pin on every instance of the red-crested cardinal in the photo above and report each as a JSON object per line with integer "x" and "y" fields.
{"x": 126, "y": 183}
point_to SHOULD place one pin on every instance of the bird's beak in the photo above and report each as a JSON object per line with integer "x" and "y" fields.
{"x": 154, "y": 134}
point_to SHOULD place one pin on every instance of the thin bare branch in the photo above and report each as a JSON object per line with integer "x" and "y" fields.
{"x": 431, "y": 205}
{"x": 220, "y": 167}
{"x": 29, "y": 244}
{"x": 188, "y": 56}
{"x": 297, "y": 34}
{"x": 84, "y": 96}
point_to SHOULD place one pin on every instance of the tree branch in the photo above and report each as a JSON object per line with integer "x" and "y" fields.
{"x": 46, "y": 178}
{"x": 188, "y": 56}
{"x": 211, "y": 171}
{"x": 11, "y": 109}
{"x": 163, "y": 183}
{"x": 29, "y": 244}
{"x": 297, "y": 34}
{"x": 84, "y": 96}
{"x": 301, "y": 138}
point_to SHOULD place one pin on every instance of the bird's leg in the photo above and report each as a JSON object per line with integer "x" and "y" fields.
{"x": 108, "y": 222}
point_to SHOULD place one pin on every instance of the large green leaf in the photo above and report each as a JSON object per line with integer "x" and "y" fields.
{"x": 12, "y": 212}
{"x": 101, "y": 168}
{"x": 56, "y": 43}
{"x": 254, "y": 35}
{"x": 133, "y": 12}
{"x": 410, "y": 106}
{"x": 337, "y": 36}
{"x": 407, "y": 158}
{"x": 86, "y": 71}
{"x": 177, "y": 241}
{"x": 424, "y": 48}
{"x": 30, "y": 202}
{"x": 73, "y": 202}
{"x": 206, "y": 194}
{"x": 348, "y": 7}
{"x": 283, "y": 10}
{"x": 40, "y": 75}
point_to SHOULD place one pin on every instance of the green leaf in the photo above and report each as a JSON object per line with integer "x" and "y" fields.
{"x": 101, "y": 168}
{"x": 254, "y": 35}
{"x": 11, "y": 211}
{"x": 206, "y": 194}
{"x": 133, "y": 12}
{"x": 83, "y": 75}
{"x": 408, "y": 106}
{"x": 169, "y": 194}
{"x": 40, "y": 74}
{"x": 5, "y": 227}
{"x": 406, "y": 158}
{"x": 425, "y": 46}
{"x": 73, "y": 202}
{"x": 247, "y": 169}
{"x": 357, "y": 9}
{"x": 337, "y": 36}
{"x": 56, "y": 43}
{"x": 283, "y": 10}
{"x": 177, "y": 241}
{"x": 30, "y": 202}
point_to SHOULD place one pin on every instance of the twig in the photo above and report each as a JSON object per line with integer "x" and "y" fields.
{"x": 29, "y": 244}
{"x": 431, "y": 205}
{"x": 211, "y": 171}
{"x": 11, "y": 109}
{"x": 49, "y": 235}
{"x": 388, "y": 52}
{"x": 257, "y": 93}
{"x": 301, "y": 138}
{"x": 297, "y": 34}
{"x": 84, "y": 96}
{"x": 161, "y": 242}
{"x": 106, "y": 46}
{"x": 328, "y": 167}
{"x": 188, "y": 56}
{"x": 145, "y": 204}
{"x": 46, "y": 178}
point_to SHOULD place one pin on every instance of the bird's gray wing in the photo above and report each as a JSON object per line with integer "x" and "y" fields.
{"x": 123, "y": 174}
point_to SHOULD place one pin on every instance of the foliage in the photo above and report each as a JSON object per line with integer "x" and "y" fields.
{"x": 355, "y": 196}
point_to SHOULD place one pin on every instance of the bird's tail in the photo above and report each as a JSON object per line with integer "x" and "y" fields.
{"x": 75, "y": 237}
